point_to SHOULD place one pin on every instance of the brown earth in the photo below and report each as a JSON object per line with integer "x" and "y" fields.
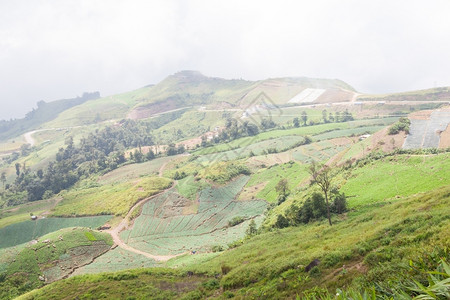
{"x": 421, "y": 115}
{"x": 269, "y": 159}
{"x": 143, "y": 112}
{"x": 249, "y": 193}
{"x": 334, "y": 95}
{"x": 444, "y": 141}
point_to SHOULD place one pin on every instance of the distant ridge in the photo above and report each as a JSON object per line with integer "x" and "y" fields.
{"x": 46, "y": 111}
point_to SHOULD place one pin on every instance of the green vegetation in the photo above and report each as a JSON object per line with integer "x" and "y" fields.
{"x": 265, "y": 180}
{"x": 401, "y": 125}
{"x": 26, "y": 231}
{"x": 114, "y": 199}
{"x": 189, "y": 187}
{"x": 22, "y": 212}
{"x": 166, "y": 226}
{"x": 390, "y": 211}
{"x": 394, "y": 177}
{"x": 134, "y": 171}
{"x": 222, "y": 172}
{"x": 44, "y": 113}
{"x": 368, "y": 247}
{"x": 53, "y": 257}
{"x": 134, "y": 284}
{"x": 114, "y": 260}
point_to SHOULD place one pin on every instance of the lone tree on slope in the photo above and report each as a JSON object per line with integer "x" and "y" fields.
{"x": 322, "y": 175}
{"x": 304, "y": 117}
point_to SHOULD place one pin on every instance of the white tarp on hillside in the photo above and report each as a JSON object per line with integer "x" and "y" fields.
{"x": 307, "y": 95}
{"x": 425, "y": 133}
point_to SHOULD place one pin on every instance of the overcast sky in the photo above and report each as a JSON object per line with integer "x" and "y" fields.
{"x": 58, "y": 49}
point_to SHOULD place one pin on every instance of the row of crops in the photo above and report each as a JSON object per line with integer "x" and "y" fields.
{"x": 116, "y": 260}
{"x": 425, "y": 133}
{"x": 26, "y": 231}
{"x": 282, "y": 140}
{"x": 162, "y": 228}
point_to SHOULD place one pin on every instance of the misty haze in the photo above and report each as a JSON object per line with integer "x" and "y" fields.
{"x": 221, "y": 149}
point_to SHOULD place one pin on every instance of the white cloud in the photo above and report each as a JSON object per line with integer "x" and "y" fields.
{"x": 58, "y": 49}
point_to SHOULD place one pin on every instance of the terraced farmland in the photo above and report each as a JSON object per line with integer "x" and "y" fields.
{"x": 320, "y": 151}
{"x": 301, "y": 131}
{"x": 134, "y": 171}
{"x": 26, "y": 231}
{"x": 116, "y": 260}
{"x": 262, "y": 184}
{"x": 114, "y": 199}
{"x": 52, "y": 258}
{"x": 163, "y": 228}
{"x": 426, "y": 133}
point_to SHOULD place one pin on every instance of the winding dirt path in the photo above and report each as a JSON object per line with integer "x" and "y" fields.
{"x": 124, "y": 225}
{"x": 29, "y": 139}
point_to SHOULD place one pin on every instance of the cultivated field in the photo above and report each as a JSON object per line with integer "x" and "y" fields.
{"x": 425, "y": 133}
{"x": 114, "y": 260}
{"x": 114, "y": 199}
{"x": 26, "y": 231}
{"x": 162, "y": 228}
{"x": 134, "y": 171}
{"x": 51, "y": 258}
{"x": 262, "y": 183}
{"x": 395, "y": 177}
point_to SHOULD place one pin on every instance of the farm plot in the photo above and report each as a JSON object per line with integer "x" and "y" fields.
{"x": 114, "y": 260}
{"x": 301, "y": 131}
{"x": 319, "y": 151}
{"x": 54, "y": 257}
{"x": 134, "y": 171}
{"x": 262, "y": 184}
{"x": 26, "y": 231}
{"x": 426, "y": 133}
{"x": 162, "y": 228}
{"x": 114, "y": 199}
{"x": 259, "y": 148}
{"x": 394, "y": 177}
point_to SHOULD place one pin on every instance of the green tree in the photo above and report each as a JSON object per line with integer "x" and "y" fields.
{"x": 17, "y": 165}
{"x": 296, "y": 122}
{"x": 304, "y": 117}
{"x": 251, "y": 230}
{"x": 3, "y": 179}
{"x": 281, "y": 222}
{"x": 322, "y": 175}
{"x": 282, "y": 188}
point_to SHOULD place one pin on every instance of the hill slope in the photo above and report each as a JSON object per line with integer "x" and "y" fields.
{"x": 44, "y": 113}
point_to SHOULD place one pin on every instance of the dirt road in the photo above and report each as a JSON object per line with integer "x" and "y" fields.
{"x": 124, "y": 224}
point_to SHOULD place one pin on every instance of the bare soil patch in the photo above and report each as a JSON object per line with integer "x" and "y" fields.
{"x": 420, "y": 115}
{"x": 249, "y": 193}
{"x": 444, "y": 141}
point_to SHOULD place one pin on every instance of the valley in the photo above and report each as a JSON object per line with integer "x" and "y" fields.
{"x": 201, "y": 187}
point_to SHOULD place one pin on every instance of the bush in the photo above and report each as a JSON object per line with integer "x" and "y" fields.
{"x": 217, "y": 248}
{"x": 211, "y": 284}
{"x": 235, "y": 221}
{"x": 281, "y": 222}
{"x": 402, "y": 125}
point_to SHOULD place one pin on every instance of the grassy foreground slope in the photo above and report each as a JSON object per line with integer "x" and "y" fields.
{"x": 367, "y": 246}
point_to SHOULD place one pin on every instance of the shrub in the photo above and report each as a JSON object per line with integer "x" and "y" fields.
{"x": 235, "y": 221}
{"x": 217, "y": 248}
{"x": 211, "y": 284}
{"x": 281, "y": 222}
{"x": 402, "y": 125}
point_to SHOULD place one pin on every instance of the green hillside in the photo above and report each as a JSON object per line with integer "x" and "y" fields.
{"x": 45, "y": 112}
{"x": 202, "y": 187}
{"x": 364, "y": 249}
